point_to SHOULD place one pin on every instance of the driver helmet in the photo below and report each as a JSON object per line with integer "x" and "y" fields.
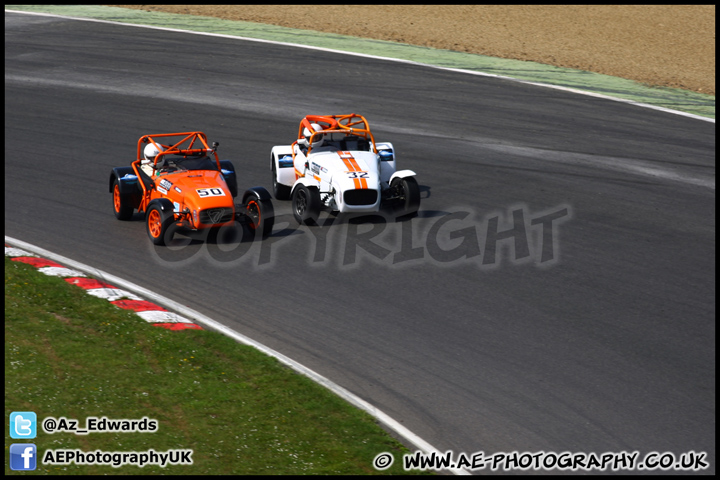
{"x": 151, "y": 151}
{"x": 319, "y": 139}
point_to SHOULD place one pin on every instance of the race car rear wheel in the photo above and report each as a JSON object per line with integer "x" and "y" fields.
{"x": 261, "y": 215}
{"x": 280, "y": 191}
{"x": 121, "y": 203}
{"x": 159, "y": 227}
{"x": 408, "y": 193}
{"x": 306, "y": 204}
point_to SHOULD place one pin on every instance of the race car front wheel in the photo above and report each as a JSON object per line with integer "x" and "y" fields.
{"x": 408, "y": 193}
{"x": 261, "y": 215}
{"x": 121, "y": 203}
{"x": 159, "y": 227}
{"x": 306, "y": 204}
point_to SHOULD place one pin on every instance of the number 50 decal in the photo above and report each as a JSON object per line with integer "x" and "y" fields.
{"x": 210, "y": 192}
{"x": 358, "y": 174}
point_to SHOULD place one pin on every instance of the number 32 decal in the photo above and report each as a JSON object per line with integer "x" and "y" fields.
{"x": 357, "y": 174}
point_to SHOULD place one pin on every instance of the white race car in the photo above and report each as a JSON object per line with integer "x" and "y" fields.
{"x": 336, "y": 165}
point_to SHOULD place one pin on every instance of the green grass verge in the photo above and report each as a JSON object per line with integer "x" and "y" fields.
{"x": 68, "y": 354}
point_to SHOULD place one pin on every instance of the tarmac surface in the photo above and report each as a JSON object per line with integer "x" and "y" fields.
{"x": 556, "y": 291}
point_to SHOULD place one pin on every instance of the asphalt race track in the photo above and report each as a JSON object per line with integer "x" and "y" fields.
{"x": 555, "y": 293}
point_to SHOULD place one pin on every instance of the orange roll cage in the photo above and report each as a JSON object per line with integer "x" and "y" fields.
{"x": 189, "y": 138}
{"x": 351, "y": 124}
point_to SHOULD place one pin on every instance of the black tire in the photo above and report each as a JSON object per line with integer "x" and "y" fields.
{"x": 261, "y": 215}
{"x": 159, "y": 227}
{"x": 212, "y": 234}
{"x": 306, "y": 204}
{"x": 122, "y": 205}
{"x": 408, "y": 192}
{"x": 280, "y": 191}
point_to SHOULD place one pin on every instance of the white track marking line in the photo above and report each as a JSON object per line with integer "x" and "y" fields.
{"x": 208, "y": 322}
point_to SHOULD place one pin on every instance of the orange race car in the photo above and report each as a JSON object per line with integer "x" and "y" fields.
{"x": 181, "y": 185}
